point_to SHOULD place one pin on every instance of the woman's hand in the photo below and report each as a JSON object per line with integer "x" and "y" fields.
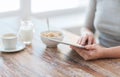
{"x": 87, "y": 38}
{"x": 91, "y": 52}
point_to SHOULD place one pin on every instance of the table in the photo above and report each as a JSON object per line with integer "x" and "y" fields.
{"x": 38, "y": 61}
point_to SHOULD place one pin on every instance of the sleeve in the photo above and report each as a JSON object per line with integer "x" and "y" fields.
{"x": 89, "y": 22}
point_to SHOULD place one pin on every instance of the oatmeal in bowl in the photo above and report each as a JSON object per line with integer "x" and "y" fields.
{"x": 45, "y": 36}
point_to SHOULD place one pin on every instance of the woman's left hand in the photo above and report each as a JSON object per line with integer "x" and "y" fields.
{"x": 91, "y": 52}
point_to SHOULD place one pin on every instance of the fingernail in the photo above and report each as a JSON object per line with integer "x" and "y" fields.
{"x": 82, "y": 43}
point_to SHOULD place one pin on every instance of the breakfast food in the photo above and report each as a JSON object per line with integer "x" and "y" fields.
{"x": 51, "y": 34}
{"x": 47, "y": 35}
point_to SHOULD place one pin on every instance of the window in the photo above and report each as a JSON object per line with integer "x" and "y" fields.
{"x": 9, "y": 8}
{"x": 28, "y": 7}
{"x": 51, "y": 5}
{"x": 12, "y": 11}
{"x": 9, "y": 5}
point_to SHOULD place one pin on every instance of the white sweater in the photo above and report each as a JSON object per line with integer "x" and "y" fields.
{"x": 104, "y": 17}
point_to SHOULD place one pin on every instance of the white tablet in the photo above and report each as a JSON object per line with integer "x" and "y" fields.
{"x": 66, "y": 43}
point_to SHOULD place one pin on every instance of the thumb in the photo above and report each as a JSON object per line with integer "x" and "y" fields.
{"x": 90, "y": 47}
{"x": 75, "y": 48}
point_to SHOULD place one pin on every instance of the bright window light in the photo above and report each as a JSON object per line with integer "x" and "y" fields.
{"x": 9, "y": 5}
{"x": 51, "y": 5}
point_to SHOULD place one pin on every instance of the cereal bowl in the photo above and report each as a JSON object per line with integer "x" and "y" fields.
{"x": 57, "y": 35}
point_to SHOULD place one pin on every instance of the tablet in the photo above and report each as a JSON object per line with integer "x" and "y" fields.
{"x": 66, "y": 43}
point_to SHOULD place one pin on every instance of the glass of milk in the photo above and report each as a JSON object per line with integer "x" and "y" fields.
{"x": 26, "y": 31}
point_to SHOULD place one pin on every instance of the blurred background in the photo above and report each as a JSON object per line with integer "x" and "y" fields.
{"x": 62, "y": 14}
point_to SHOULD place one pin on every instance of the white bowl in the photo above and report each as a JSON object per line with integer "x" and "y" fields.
{"x": 50, "y": 43}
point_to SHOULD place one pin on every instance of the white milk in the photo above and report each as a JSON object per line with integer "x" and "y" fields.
{"x": 26, "y": 32}
{"x": 26, "y": 35}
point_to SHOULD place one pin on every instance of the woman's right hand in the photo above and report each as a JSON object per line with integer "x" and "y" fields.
{"x": 87, "y": 38}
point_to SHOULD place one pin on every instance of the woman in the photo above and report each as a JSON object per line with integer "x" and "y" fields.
{"x": 104, "y": 18}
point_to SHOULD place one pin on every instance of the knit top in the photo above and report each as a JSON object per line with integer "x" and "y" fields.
{"x": 103, "y": 16}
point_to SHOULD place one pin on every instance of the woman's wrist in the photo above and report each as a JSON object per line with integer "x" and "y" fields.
{"x": 86, "y": 31}
{"x": 113, "y": 52}
{"x": 106, "y": 53}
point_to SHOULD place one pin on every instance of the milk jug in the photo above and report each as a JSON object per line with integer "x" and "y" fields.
{"x": 26, "y": 31}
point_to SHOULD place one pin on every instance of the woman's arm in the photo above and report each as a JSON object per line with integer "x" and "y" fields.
{"x": 87, "y": 32}
{"x": 103, "y": 52}
{"x": 89, "y": 22}
{"x": 96, "y": 51}
{"x": 112, "y": 52}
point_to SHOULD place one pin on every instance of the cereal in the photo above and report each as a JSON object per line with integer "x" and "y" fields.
{"x": 52, "y": 34}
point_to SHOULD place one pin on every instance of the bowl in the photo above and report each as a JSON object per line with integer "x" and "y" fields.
{"x": 57, "y": 35}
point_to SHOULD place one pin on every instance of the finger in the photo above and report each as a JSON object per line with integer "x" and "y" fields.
{"x": 94, "y": 41}
{"x": 79, "y": 41}
{"x": 83, "y": 53}
{"x": 90, "y": 40}
{"x": 90, "y": 47}
{"x": 84, "y": 40}
{"x": 78, "y": 50}
{"x": 72, "y": 47}
{"x": 75, "y": 48}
